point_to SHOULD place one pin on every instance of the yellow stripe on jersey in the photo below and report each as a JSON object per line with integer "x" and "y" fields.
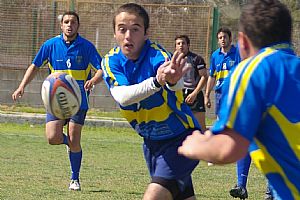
{"x": 244, "y": 84}
{"x": 107, "y": 67}
{"x": 235, "y": 76}
{"x": 290, "y": 130}
{"x": 155, "y": 46}
{"x": 157, "y": 114}
{"x": 80, "y": 75}
{"x": 265, "y": 163}
{"x": 179, "y": 97}
{"x": 221, "y": 74}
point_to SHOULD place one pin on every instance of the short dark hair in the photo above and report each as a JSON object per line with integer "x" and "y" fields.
{"x": 266, "y": 22}
{"x": 70, "y": 13}
{"x": 224, "y": 30}
{"x": 187, "y": 39}
{"x": 136, "y": 9}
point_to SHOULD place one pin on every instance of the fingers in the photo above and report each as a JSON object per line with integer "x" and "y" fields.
{"x": 88, "y": 85}
{"x": 178, "y": 60}
{"x": 208, "y": 133}
{"x": 161, "y": 76}
{"x": 16, "y": 95}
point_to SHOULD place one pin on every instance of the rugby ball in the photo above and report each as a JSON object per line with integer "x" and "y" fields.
{"x": 61, "y": 95}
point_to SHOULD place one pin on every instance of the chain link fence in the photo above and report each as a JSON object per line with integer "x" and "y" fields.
{"x": 26, "y": 24}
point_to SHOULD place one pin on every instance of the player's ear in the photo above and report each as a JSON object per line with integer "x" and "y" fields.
{"x": 146, "y": 34}
{"x": 244, "y": 45}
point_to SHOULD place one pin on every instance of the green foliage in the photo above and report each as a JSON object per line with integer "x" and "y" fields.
{"x": 113, "y": 168}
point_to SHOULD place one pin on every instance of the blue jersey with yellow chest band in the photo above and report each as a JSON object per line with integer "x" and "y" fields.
{"x": 162, "y": 115}
{"x": 262, "y": 104}
{"x": 76, "y": 59}
{"x": 220, "y": 65}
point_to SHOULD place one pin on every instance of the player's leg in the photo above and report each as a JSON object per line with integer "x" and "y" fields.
{"x": 218, "y": 97}
{"x": 166, "y": 189}
{"x": 54, "y": 130}
{"x": 199, "y": 110}
{"x": 157, "y": 191}
{"x": 242, "y": 170}
{"x": 170, "y": 172}
{"x": 75, "y": 154}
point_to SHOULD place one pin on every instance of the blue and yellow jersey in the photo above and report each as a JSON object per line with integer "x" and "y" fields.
{"x": 162, "y": 115}
{"x": 76, "y": 59}
{"x": 220, "y": 65}
{"x": 261, "y": 103}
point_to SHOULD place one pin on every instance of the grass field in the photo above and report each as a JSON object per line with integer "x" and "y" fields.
{"x": 113, "y": 168}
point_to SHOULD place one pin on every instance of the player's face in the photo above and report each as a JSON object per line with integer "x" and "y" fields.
{"x": 69, "y": 27}
{"x": 181, "y": 46}
{"x": 130, "y": 34}
{"x": 224, "y": 40}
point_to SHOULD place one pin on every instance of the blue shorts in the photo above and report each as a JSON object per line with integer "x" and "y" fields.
{"x": 164, "y": 161}
{"x": 78, "y": 118}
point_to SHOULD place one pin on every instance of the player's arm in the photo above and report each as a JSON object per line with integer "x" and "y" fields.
{"x": 209, "y": 87}
{"x": 127, "y": 95}
{"x": 203, "y": 80}
{"x": 28, "y": 76}
{"x": 95, "y": 59}
{"x": 97, "y": 78}
{"x": 173, "y": 72}
{"x": 226, "y": 147}
{"x": 201, "y": 67}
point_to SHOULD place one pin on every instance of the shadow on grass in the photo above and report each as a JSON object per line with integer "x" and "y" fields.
{"x": 102, "y": 191}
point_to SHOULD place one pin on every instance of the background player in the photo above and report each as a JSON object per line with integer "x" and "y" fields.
{"x": 194, "y": 80}
{"x": 149, "y": 91}
{"x": 222, "y": 60}
{"x": 69, "y": 53}
{"x": 267, "y": 85}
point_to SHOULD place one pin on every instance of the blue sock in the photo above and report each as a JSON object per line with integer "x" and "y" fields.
{"x": 242, "y": 168}
{"x": 65, "y": 140}
{"x": 75, "y": 161}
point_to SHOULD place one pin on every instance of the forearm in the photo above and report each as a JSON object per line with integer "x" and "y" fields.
{"x": 201, "y": 84}
{"x": 97, "y": 78}
{"x": 209, "y": 86}
{"x": 223, "y": 148}
{"x": 127, "y": 95}
{"x": 28, "y": 76}
{"x": 178, "y": 86}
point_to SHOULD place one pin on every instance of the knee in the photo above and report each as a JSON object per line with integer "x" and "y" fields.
{"x": 54, "y": 139}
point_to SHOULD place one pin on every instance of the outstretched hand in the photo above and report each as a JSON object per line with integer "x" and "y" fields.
{"x": 172, "y": 70}
{"x": 177, "y": 68}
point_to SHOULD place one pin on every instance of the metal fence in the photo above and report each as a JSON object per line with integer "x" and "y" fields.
{"x": 26, "y": 24}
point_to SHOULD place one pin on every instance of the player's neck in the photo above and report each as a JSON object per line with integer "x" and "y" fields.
{"x": 68, "y": 39}
{"x": 225, "y": 49}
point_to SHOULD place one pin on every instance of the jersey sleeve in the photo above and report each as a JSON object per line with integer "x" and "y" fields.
{"x": 95, "y": 58}
{"x": 200, "y": 63}
{"x": 112, "y": 72}
{"x": 42, "y": 56}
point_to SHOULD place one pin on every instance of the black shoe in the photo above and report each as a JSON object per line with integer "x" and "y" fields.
{"x": 268, "y": 194}
{"x": 239, "y": 192}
